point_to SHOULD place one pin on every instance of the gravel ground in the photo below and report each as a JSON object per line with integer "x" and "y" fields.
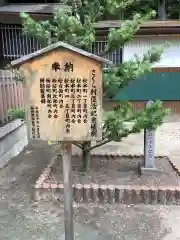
{"x": 117, "y": 170}
{"x": 23, "y": 219}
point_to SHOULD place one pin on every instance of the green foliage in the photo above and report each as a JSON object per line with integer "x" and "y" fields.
{"x": 115, "y": 122}
{"x": 41, "y": 30}
{"x": 172, "y": 8}
{"x": 18, "y": 75}
{"x": 151, "y": 117}
{"x": 76, "y": 27}
{"x": 122, "y": 121}
{"x": 15, "y": 113}
{"x": 118, "y": 37}
{"x": 118, "y": 77}
{"x": 62, "y": 27}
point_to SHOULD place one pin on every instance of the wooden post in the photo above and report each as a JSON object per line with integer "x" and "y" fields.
{"x": 68, "y": 193}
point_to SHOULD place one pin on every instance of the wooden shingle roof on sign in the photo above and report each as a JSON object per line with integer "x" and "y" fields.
{"x": 52, "y": 47}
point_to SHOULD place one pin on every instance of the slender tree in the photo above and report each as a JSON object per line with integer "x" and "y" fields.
{"x": 76, "y": 27}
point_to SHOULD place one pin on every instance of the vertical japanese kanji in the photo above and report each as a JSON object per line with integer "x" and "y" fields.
{"x": 37, "y": 123}
{"x": 42, "y": 90}
{"x": 93, "y": 106}
{"x": 60, "y": 90}
{"x": 64, "y": 90}
{"x": 54, "y": 98}
{"x": 33, "y": 130}
{"x": 49, "y": 97}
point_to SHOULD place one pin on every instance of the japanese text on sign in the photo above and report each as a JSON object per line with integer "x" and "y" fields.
{"x": 67, "y": 98}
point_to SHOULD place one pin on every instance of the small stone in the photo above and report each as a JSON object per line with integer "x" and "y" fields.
{"x": 36, "y": 186}
{"x": 54, "y": 185}
{"x": 28, "y": 152}
{"x": 13, "y": 180}
{"x": 46, "y": 185}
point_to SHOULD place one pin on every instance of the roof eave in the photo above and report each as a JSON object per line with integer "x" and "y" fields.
{"x": 49, "y": 48}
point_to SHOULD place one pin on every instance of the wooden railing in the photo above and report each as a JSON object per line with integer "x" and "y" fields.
{"x": 11, "y": 94}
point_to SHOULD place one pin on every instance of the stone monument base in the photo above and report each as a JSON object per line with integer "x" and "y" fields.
{"x": 148, "y": 171}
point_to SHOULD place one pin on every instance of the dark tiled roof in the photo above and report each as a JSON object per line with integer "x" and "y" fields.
{"x": 9, "y": 14}
{"x": 33, "y": 8}
{"x": 146, "y": 24}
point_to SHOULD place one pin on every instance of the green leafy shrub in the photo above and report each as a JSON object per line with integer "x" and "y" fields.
{"x": 15, "y": 113}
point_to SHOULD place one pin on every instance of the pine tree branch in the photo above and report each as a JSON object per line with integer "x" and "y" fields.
{"x": 115, "y": 78}
{"x": 77, "y": 144}
{"x": 96, "y": 12}
{"x": 118, "y": 37}
{"x": 149, "y": 117}
{"x": 100, "y": 144}
{"x": 79, "y": 32}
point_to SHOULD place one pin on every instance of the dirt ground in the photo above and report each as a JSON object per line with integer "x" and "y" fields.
{"x": 117, "y": 171}
{"x": 23, "y": 219}
{"x": 175, "y": 117}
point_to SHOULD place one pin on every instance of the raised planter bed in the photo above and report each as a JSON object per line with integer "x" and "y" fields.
{"x": 13, "y": 139}
{"x": 113, "y": 179}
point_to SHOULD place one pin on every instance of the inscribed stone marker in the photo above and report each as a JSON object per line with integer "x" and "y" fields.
{"x": 149, "y": 146}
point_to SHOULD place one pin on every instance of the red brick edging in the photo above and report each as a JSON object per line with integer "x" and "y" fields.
{"x": 98, "y": 193}
{"x": 113, "y": 193}
{"x": 175, "y": 167}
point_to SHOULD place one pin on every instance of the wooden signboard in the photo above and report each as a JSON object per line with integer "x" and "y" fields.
{"x": 63, "y": 90}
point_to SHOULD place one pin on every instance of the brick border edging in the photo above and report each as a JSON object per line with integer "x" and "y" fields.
{"x": 43, "y": 176}
{"x": 118, "y": 155}
{"x": 175, "y": 167}
{"x": 113, "y": 194}
{"x": 97, "y": 193}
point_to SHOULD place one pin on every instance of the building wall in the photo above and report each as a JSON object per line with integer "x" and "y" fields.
{"x": 163, "y": 82}
{"x": 136, "y": 105}
{"x": 2, "y": 2}
{"x": 170, "y": 57}
{"x": 154, "y": 85}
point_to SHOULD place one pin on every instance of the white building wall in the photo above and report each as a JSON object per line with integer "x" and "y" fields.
{"x": 170, "y": 57}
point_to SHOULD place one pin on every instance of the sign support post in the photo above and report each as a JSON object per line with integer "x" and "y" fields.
{"x": 68, "y": 191}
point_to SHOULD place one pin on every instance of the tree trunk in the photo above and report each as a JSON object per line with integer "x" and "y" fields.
{"x": 86, "y": 156}
{"x": 162, "y": 9}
